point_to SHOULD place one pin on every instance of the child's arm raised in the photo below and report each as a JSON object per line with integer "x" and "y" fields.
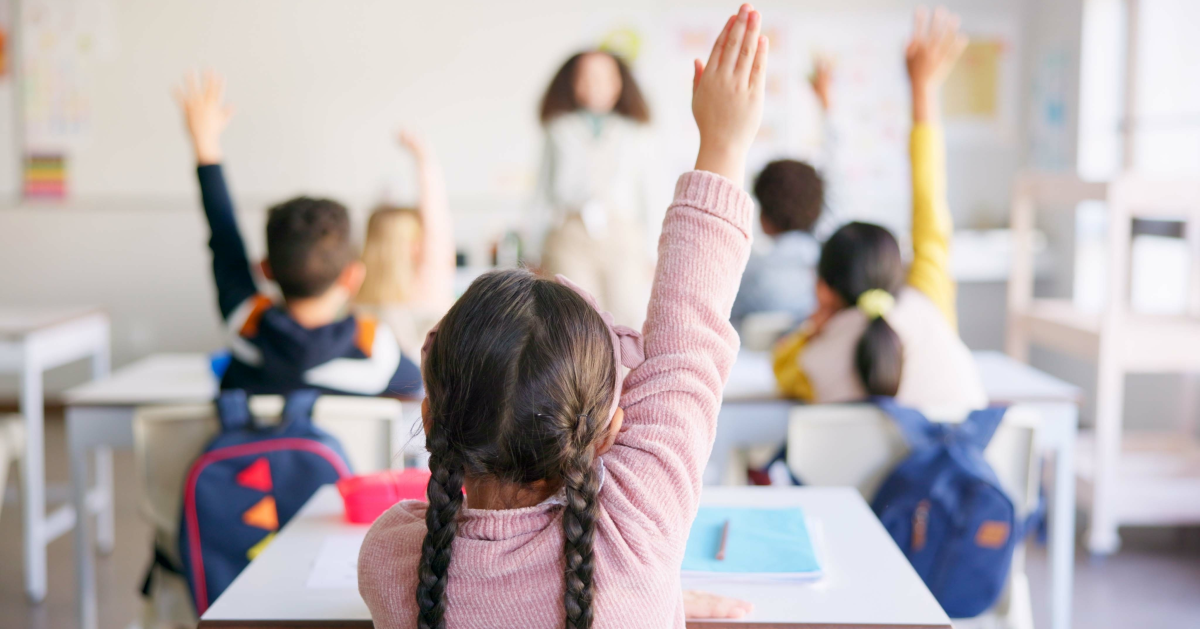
{"x": 936, "y": 44}
{"x": 436, "y": 266}
{"x": 671, "y": 401}
{"x": 207, "y": 115}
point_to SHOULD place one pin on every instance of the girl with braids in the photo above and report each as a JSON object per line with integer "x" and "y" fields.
{"x": 563, "y": 489}
{"x": 873, "y": 332}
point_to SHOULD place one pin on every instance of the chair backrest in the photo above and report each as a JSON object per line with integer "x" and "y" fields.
{"x": 168, "y": 439}
{"x": 857, "y": 445}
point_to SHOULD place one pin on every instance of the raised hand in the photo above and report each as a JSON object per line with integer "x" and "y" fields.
{"x": 727, "y": 95}
{"x": 202, "y": 99}
{"x": 821, "y": 80}
{"x": 935, "y": 46}
{"x": 414, "y": 142}
{"x": 700, "y": 605}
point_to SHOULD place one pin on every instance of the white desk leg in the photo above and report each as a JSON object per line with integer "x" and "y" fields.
{"x": 1103, "y": 538}
{"x": 105, "y": 518}
{"x": 33, "y": 477}
{"x": 1062, "y": 518}
{"x": 85, "y": 573}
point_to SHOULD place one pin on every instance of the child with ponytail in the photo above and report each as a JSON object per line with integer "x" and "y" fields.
{"x": 563, "y": 489}
{"x": 875, "y": 331}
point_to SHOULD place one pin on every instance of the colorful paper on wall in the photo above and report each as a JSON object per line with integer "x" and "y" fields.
{"x": 4, "y": 54}
{"x": 973, "y": 88}
{"x": 45, "y": 177}
{"x": 60, "y": 43}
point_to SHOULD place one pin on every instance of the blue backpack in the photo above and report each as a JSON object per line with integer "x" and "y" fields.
{"x": 947, "y": 511}
{"x": 248, "y": 483}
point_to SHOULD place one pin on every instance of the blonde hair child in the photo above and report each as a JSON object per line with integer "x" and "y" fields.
{"x": 409, "y": 256}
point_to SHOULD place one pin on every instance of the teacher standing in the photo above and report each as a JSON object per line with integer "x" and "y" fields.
{"x": 592, "y": 215}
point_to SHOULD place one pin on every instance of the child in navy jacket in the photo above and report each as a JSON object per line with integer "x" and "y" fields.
{"x": 307, "y": 341}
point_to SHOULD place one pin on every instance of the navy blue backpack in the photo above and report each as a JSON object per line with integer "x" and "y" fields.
{"x": 248, "y": 483}
{"x": 947, "y": 511}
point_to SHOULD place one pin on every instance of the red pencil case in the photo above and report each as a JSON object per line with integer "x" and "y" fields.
{"x": 366, "y": 497}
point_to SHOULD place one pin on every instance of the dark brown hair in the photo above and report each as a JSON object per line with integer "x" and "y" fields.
{"x": 560, "y": 96}
{"x": 520, "y": 379}
{"x": 857, "y": 258}
{"x": 308, "y": 245}
{"x": 791, "y": 195}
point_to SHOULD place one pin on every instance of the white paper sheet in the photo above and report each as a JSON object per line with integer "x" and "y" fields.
{"x": 336, "y": 567}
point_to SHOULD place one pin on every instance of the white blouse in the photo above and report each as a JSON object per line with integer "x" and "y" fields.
{"x": 598, "y": 167}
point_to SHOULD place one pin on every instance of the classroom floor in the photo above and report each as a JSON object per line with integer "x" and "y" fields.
{"x": 1151, "y": 583}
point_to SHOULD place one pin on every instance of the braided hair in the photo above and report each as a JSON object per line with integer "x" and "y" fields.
{"x": 520, "y": 379}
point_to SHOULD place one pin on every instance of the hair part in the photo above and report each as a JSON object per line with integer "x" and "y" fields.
{"x": 388, "y": 255}
{"x": 560, "y": 95}
{"x": 791, "y": 195}
{"x": 519, "y": 379}
{"x": 857, "y": 258}
{"x": 308, "y": 245}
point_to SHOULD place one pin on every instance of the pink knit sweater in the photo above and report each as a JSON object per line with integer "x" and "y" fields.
{"x": 507, "y": 565}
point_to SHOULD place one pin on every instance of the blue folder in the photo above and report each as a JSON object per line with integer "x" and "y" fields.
{"x": 762, "y": 542}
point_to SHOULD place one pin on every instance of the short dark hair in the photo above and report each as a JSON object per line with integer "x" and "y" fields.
{"x": 308, "y": 245}
{"x": 560, "y": 95}
{"x": 791, "y": 195}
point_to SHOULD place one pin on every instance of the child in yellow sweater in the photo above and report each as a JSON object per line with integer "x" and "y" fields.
{"x": 876, "y": 332}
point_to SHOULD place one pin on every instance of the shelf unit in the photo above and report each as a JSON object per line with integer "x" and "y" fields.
{"x": 1124, "y": 479}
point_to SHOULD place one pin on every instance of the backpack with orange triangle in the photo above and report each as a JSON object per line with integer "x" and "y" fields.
{"x": 248, "y": 483}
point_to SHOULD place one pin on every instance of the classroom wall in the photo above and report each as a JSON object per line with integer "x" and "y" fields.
{"x": 134, "y": 243}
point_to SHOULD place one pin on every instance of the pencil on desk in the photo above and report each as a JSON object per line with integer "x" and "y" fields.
{"x": 724, "y": 541}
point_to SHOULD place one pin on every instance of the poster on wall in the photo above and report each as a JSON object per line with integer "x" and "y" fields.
{"x": 60, "y": 42}
{"x": 5, "y": 39}
{"x": 980, "y": 97}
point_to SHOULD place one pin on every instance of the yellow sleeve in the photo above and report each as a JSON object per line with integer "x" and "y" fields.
{"x": 932, "y": 226}
{"x": 788, "y": 374}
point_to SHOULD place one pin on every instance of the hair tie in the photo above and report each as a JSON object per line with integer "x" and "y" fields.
{"x": 628, "y": 346}
{"x": 876, "y": 303}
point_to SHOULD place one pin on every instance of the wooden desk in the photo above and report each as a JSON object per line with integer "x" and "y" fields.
{"x": 33, "y": 341}
{"x": 868, "y": 582}
{"x": 754, "y": 413}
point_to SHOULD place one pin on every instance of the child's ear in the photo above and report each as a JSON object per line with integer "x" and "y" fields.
{"x": 768, "y": 227}
{"x": 265, "y": 267}
{"x": 352, "y": 277}
{"x": 827, "y": 298}
{"x": 614, "y": 429}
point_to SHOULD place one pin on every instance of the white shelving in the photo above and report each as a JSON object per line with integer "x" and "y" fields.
{"x": 1124, "y": 479}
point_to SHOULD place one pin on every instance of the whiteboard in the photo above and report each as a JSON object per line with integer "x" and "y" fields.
{"x": 320, "y": 86}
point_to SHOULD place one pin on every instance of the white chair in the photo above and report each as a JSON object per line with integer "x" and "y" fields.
{"x": 857, "y": 445}
{"x": 168, "y": 439}
{"x": 12, "y": 445}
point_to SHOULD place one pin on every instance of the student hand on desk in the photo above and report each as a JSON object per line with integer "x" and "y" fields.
{"x": 705, "y": 605}
{"x": 203, "y": 101}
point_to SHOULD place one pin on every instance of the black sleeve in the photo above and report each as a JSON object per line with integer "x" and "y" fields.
{"x": 406, "y": 382}
{"x": 231, "y": 269}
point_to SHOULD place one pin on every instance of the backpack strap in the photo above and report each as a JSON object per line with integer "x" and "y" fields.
{"x": 298, "y": 409}
{"x": 917, "y": 430}
{"x": 233, "y": 409}
{"x": 977, "y": 429}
